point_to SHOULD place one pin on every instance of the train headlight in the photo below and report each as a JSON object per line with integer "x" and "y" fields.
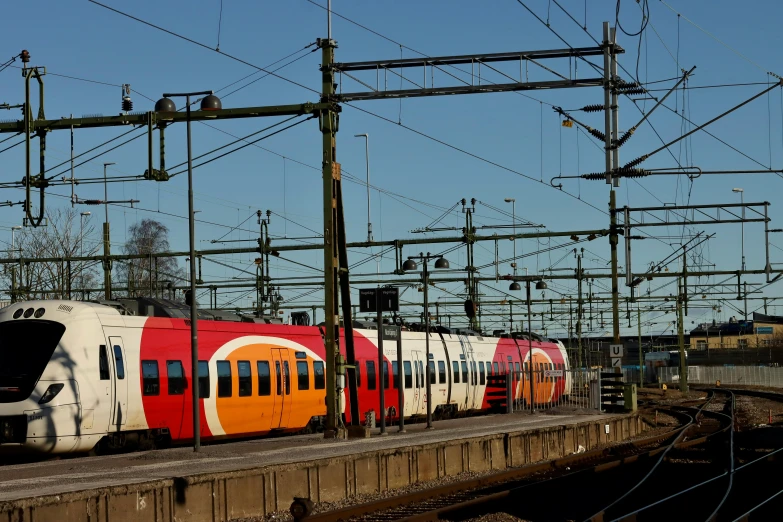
{"x": 50, "y": 393}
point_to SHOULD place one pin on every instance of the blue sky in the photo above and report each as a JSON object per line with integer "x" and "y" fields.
{"x": 83, "y": 40}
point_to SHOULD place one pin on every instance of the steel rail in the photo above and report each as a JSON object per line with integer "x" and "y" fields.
{"x": 633, "y": 515}
{"x": 505, "y": 476}
{"x": 601, "y": 513}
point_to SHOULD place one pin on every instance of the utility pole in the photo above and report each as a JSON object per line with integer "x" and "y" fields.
{"x": 611, "y": 159}
{"x": 328, "y": 122}
{"x": 579, "y": 307}
{"x": 641, "y": 352}
{"x": 106, "y": 238}
{"x": 681, "y": 339}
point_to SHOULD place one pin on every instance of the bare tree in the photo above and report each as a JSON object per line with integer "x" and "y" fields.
{"x": 62, "y": 237}
{"x": 144, "y": 275}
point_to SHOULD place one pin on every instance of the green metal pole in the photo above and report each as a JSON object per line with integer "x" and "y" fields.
{"x": 681, "y": 338}
{"x": 328, "y": 123}
{"x": 641, "y": 354}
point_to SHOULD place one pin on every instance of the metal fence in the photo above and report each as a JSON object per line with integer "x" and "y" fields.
{"x": 750, "y": 375}
{"x": 568, "y": 390}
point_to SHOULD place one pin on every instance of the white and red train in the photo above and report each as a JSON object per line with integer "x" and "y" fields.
{"x": 74, "y": 375}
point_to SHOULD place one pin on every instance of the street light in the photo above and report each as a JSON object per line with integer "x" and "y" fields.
{"x": 81, "y": 247}
{"x": 210, "y": 102}
{"x": 367, "y": 160}
{"x": 410, "y": 265}
{"x": 540, "y": 285}
{"x": 514, "y": 286}
{"x": 742, "y": 201}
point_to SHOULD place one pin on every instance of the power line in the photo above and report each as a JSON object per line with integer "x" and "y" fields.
{"x": 194, "y": 42}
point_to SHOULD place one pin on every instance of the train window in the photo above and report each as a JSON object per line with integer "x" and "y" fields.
{"x": 176, "y": 377}
{"x": 245, "y": 379}
{"x": 502, "y": 367}
{"x": 103, "y": 362}
{"x": 395, "y": 375}
{"x": 119, "y": 363}
{"x": 441, "y": 372}
{"x": 370, "y": 375}
{"x": 358, "y": 371}
{"x": 150, "y": 377}
{"x": 516, "y": 365}
{"x": 203, "y": 380}
{"x": 482, "y": 375}
{"x": 287, "y": 376}
{"x": 318, "y": 375}
{"x": 264, "y": 378}
{"x": 385, "y": 375}
{"x": 465, "y": 376}
{"x": 489, "y": 368}
{"x": 495, "y": 366}
{"x": 416, "y": 371}
{"x": 433, "y": 377}
{"x": 406, "y": 367}
{"x": 303, "y": 375}
{"x": 224, "y": 379}
{"x": 455, "y": 371}
{"x": 474, "y": 372}
{"x": 421, "y": 374}
{"x": 278, "y": 378}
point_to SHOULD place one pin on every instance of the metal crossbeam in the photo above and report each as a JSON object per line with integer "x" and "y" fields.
{"x": 471, "y": 58}
{"x": 142, "y": 117}
{"x": 468, "y": 89}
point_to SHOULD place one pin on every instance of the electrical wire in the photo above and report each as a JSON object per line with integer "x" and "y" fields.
{"x": 194, "y": 42}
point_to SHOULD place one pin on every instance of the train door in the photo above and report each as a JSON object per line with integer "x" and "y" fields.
{"x": 119, "y": 380}
{"x": 449, "y": 378}
{"x": 468, "y": 367}
{"x": 281, "y": 388}
{"x": 417, "y": 359}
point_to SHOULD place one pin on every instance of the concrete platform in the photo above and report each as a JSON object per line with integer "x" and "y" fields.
{"x": 252, "y": 478}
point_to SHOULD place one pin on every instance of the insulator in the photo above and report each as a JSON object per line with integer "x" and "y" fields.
{"x": 598, "y": 134}
{"x": 625, "y": 137}
{"x": 594, "y": 176}
{"x": 127, "y": 104}
{"x": 622, "y": 84}
{"x": 627, "y": 172}
{"x": 635, "y": 162}
{"x": 592, "y": 108}
{"x": 25, "y": 56}
{"x": 630, "y": 92}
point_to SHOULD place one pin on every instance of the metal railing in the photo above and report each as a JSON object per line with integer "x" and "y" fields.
{"x": 750, "y": 375}
{"x": 567, "y": 390}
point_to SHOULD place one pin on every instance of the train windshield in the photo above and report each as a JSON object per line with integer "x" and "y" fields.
{"x": 25, "y": 349}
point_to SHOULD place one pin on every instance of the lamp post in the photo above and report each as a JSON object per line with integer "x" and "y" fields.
{"x": 540, "y": 285}
{"x": 410, "y": 265}
{"x": 13, "y": 268}
{"x": 210, "y": 102}
{"x": 81, "y": 247}
{"x": 742, "y": 225}
{"x": 367, "y": 161}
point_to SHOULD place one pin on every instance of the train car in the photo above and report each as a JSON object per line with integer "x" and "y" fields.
{"x": 77, "y": 376}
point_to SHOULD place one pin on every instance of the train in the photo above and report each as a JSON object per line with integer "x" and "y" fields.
{"x": 81, "y": 377}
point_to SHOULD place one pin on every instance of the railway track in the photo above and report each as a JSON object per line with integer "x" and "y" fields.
{"x": 474, "y": 495}
{"x": 697, "y": 471}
